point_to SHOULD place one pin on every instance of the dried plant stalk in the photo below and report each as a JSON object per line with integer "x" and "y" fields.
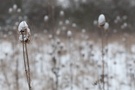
{"x": 26, "y": 62}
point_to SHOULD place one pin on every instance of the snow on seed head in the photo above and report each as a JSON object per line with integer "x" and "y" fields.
{"x": 14, "y": 6}
{"x": 124, "y": 25}
{"x": 124, "y": 17}
{"x": 106, "y": 26}
{"x": 60, "y": 23}
{"x": 83, "y": 30}
{"x": 74, "y": 25}
{"x": 58, "y": 32}
{"x": 10, "y": 10}
{"x": 101, "y": 20}
{"x": 22, "y": 26}
{"x": 61, "y": 13}
{"x": 64, "y": 28}
{"x": 50, "y": 36}
{"x": 24, "y": 32}
{"x": 18, "y": 10}
{"x": 67, "y": 22}
{"x": 118, "y": 18}
{"x": 69, "y": 33}
{"x": 10, "y": 33}
{"x": 95, "y": 22}
{"x": 46, "y": 18}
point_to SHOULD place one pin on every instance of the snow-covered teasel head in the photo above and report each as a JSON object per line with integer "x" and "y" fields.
{"x": 67, "y": 22}
{"x": 46, "y": 18}
{"x": 18, "y": 10}
{"x": 10, "y": 10}
{"x": 106, "y": 26}
{"x": 69, "y": 33}
{"x": 101, "y": 20}
{"x": 60, "y": 23}
{"x": 74, "y": 25}
{"x": 22, "y": 26}
{"x": 24, "y": 32}
{"x": 62, "y": 13}
{"x": 14, "y": 6}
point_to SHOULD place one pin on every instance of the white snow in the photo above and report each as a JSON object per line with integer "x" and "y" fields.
{"x": 85, "y": 70}
{"x": 106, "y": 26}
{"x": 22, "y": 26}
{"x": 101, "y": 19}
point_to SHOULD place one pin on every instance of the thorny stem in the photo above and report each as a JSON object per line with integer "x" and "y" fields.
{"x": 26, "y": 63}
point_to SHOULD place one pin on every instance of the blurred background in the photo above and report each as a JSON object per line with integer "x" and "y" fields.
{"x": 67, "y": 48}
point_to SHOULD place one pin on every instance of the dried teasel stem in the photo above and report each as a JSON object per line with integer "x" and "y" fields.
{"x": 26, "y": 61}
{"x": 104, "y": 26}
{"x": 101, "y": 24}
{"x": 103, "y": 62}
{"x": 17, "y": 75}
{"x": 24, "y": 37}
{"x": 107, "y": 49}
{"x": 28, "y": 66}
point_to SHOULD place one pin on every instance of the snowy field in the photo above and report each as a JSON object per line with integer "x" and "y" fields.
{"x": 71, "y": 63}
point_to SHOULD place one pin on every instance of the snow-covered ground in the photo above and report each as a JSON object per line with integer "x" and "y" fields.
{"x": 78, "y": 63}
